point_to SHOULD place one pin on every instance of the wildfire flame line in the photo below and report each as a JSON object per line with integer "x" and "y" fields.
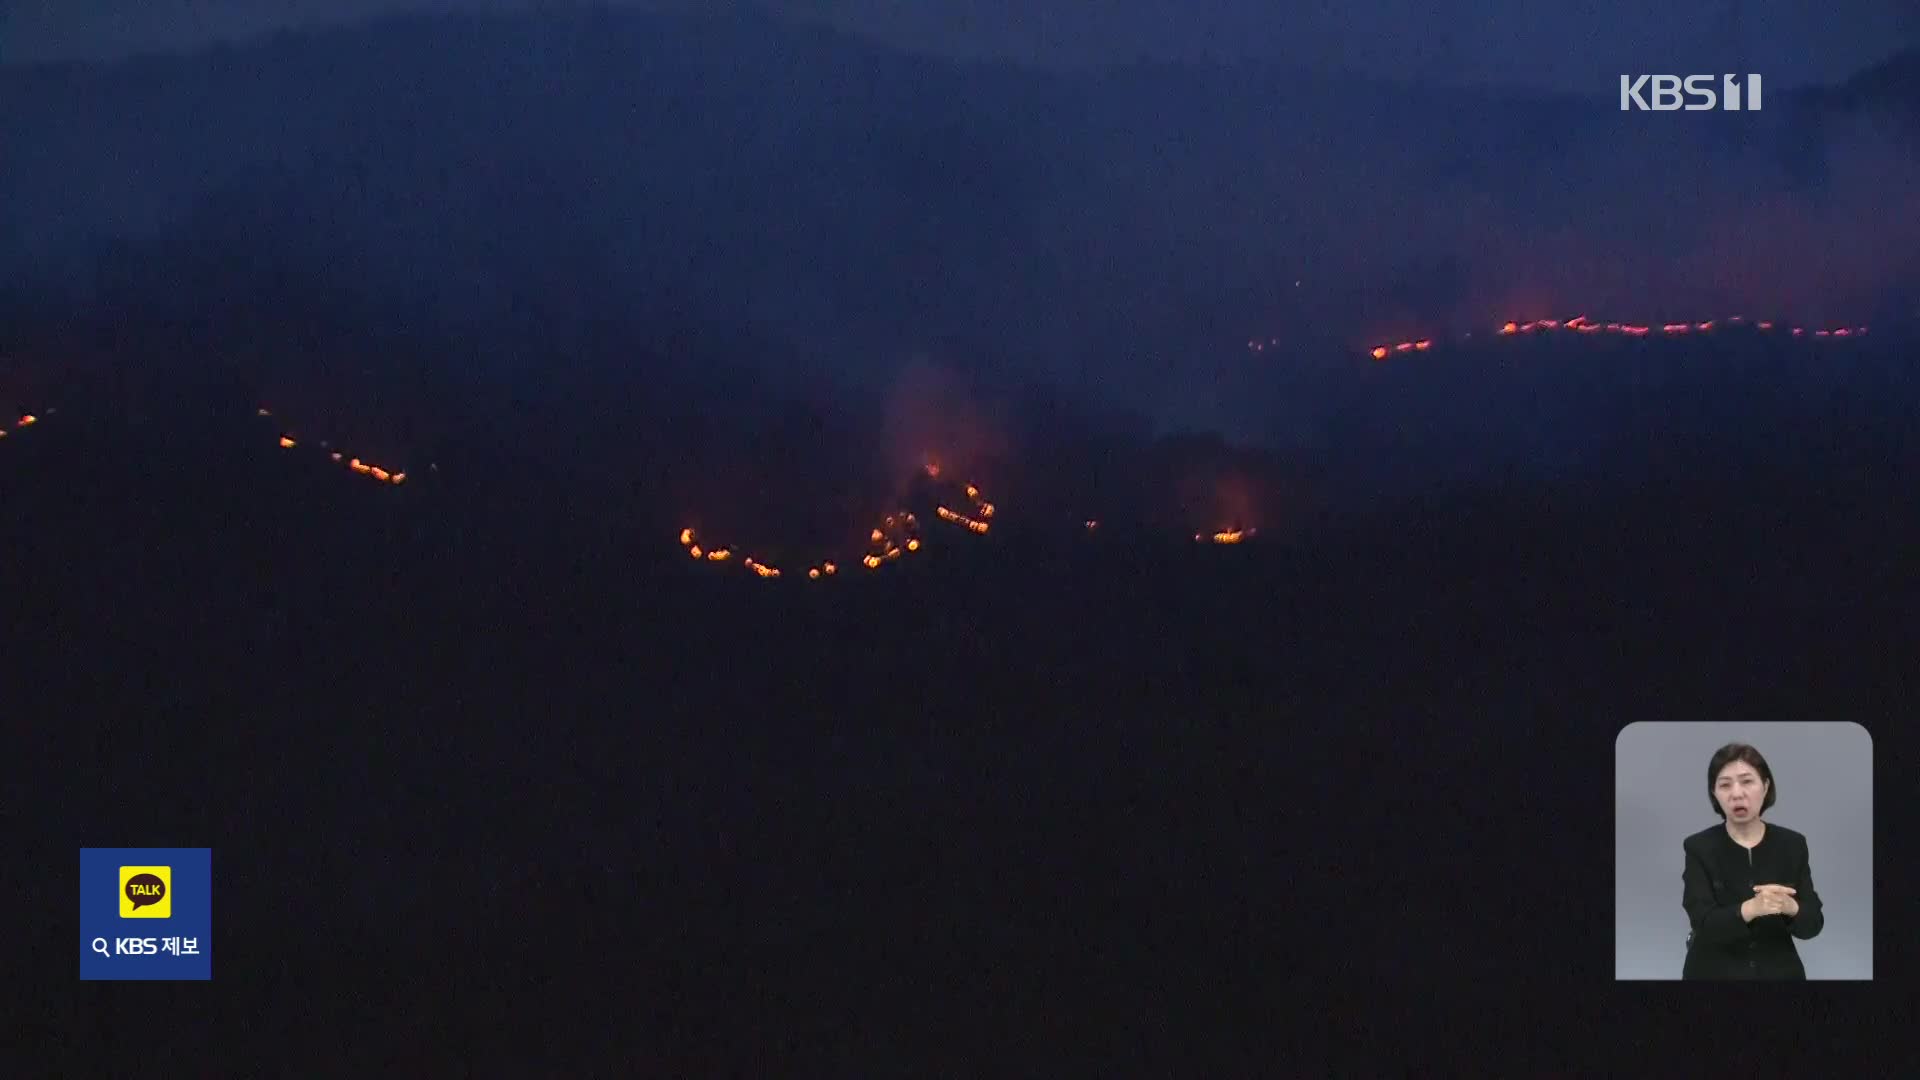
{"x": 1583, "y": 325}
{"x": 961, "y": 519}
{"x": 381, "y": 473}
{"x": 896, "y": 536}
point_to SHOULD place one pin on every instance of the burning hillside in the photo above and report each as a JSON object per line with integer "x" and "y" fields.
{"x": 1580, "y": 324}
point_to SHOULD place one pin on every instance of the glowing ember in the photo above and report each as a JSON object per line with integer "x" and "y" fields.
{"x": 962, "y": 519}
{"x": 1379, "y": 352}
{"x": 29, "y": 420}
{"x": 686, "y": 535}
{"x": 913, "y": 545}
{"x": 286, "y": 443}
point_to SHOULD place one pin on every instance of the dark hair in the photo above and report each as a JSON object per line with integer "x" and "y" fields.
{"x": 1726, "y": 756}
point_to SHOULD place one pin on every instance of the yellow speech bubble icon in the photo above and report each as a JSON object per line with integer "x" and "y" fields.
{"x": 146, "y": 892}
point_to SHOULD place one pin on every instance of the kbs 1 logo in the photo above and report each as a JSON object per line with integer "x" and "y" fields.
{"x": 1662, "y": 93}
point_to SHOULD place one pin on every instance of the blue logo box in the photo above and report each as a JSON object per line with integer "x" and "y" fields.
{"x": 146, "y": 914}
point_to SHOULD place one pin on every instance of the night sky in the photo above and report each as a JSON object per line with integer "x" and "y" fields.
{"x": 1576, "y": 45}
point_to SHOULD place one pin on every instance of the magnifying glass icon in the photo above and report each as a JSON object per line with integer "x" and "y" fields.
{"x": 100, "y": 946}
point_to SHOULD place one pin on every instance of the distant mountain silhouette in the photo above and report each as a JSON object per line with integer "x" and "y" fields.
{"x": 524, "y": 178}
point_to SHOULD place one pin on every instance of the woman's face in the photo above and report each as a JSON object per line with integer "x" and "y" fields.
{"x": 1740, "y": 791}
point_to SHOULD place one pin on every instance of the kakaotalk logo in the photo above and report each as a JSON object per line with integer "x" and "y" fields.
{"x": 1662, "y": 93}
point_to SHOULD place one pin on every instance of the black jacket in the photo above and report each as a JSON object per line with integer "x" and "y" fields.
{"x": 1719, "y": 877}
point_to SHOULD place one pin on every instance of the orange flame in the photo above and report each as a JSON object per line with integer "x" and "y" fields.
{"x": 961, "y": 519}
